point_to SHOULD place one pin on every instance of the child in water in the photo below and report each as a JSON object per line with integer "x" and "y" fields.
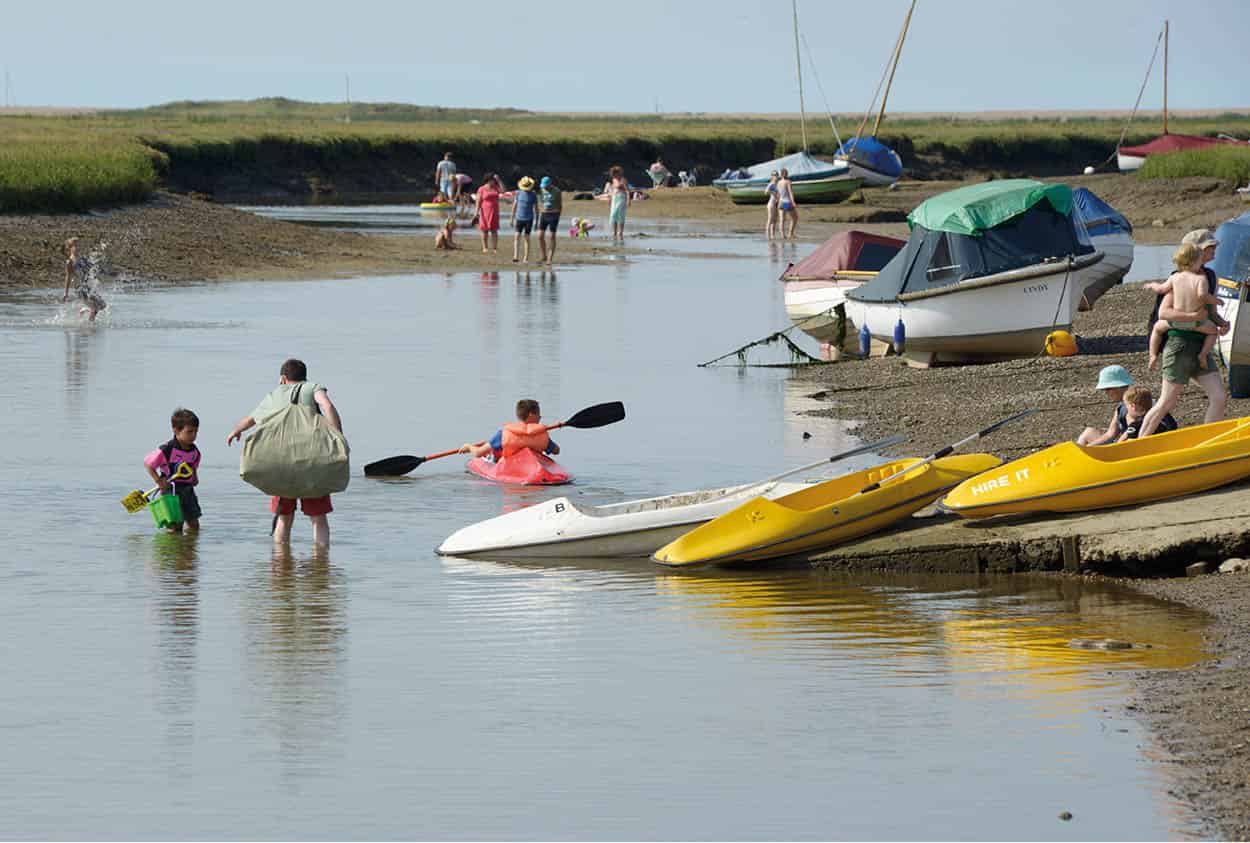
{"x": 78, "y": 269}
{"x": 446, "y": 237}
{"x": 165, "y": 460}
{"x": 1188, "y": 287}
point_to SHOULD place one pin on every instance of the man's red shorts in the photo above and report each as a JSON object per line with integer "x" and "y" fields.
{"x": 309, "y": 506}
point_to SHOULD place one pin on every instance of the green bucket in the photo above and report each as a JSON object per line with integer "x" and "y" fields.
{"x": 166, "y": 511}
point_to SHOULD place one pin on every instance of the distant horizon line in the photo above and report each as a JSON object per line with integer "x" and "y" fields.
{"x": 981, "y": 114}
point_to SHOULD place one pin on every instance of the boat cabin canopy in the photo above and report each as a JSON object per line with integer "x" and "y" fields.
{"x": 800, "y": 165}
{"x": 873, "y": 154}
{"x": 1099, "y": 217}
{"x": 846, "y": 250}
{"x": 1040, "y": 231}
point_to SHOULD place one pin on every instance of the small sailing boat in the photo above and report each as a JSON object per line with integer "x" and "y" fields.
{"x": 1130, "y": 158}
{"x": 869, "y": 158}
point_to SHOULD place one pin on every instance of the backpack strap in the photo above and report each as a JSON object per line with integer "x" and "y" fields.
{"x": 295, "y": 392}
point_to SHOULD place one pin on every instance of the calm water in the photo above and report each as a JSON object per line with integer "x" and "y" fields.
{"x": 164, "y": 687}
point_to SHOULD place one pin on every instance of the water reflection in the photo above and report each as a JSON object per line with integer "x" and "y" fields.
{"x": 296, "y": 631}
{"x": 78, "y": 341}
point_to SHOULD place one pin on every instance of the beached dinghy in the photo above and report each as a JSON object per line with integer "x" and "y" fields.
{"x": 1075, "y": 478}
{"x": 823, "y": 515}
{"x": 1232, "y": 268}
{"x": 1110, "y": 233}
{"x": 560, "y": 528}
{"x": 819, "y": 283}
{"x": 988, "y": 272}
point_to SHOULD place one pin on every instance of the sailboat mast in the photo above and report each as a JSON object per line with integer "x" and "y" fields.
{"x": 898, "y": 53}
{"x": 1165, "y": 77}
{"x": 798, "y": 67}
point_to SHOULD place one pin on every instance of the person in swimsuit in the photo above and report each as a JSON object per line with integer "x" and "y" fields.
{"x": 789, "y": 207}
{"x": 164, "y": 462}
{"x": 619, "y": 189}
{"x": 78, "y": 270}
{"x": 488, "y": 213}
{"x": 772, "y": 225}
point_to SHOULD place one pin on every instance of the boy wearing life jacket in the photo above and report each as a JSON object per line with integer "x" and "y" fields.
{"x": 164, "y": 462}
{"x": 526, "y": 432}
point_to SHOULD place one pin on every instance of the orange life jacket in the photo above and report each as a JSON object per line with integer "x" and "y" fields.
{"x": 517, "y": 436}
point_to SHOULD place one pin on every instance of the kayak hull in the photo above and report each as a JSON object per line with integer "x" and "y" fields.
{"x": 562, "y": 529}
{"x": 1072, "y": 478}
{"x": 524, "y": 468}
{"x": 822, "y": 515}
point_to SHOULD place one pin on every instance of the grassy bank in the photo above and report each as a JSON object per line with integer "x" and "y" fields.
{"x": 284, "y": 147}
{"x": 1227, "y": 163}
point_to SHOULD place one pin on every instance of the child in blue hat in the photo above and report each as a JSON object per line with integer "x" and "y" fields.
{"x": 1114, "y": 382}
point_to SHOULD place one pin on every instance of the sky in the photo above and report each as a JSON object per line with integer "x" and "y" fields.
{"x": 636, "y": 56}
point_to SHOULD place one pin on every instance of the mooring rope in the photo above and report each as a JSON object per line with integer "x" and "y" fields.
{"x": 798, "y": 353}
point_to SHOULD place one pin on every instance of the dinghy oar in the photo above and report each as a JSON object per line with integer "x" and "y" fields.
{"x": 949, "y": 449}
{"x": 598, "y": 415}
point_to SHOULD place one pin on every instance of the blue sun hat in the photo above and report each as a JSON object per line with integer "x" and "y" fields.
{"x": 1112, "y": 377}
{"x": 545, "y": 182}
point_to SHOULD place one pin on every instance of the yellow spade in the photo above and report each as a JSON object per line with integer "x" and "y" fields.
{"x": 137, "y": 500}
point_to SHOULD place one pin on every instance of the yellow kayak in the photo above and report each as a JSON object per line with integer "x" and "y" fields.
{"x": 437, "y": 206}
{"x": 821, "y": 515}
{"x": 1075, "y": 478}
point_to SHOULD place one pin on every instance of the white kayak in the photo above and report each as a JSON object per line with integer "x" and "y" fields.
{"x": 561, "y": 529}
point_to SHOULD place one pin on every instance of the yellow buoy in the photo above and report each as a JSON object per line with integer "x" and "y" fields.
{"x": 1060, "y": 344}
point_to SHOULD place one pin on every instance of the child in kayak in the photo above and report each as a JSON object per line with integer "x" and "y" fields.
{"x": 528, "y": 413}
{"x": 165, "y": 461}
{"x": 1137, "y": 402}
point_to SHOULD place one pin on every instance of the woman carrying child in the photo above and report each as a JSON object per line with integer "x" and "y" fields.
{"x": 1188, "y": 286}
{"x": 1186, "y": 354}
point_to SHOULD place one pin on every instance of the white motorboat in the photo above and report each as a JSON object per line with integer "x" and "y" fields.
{"x": 561, "y": 528}
{"x": 1232, "y": 269}
{"x": 988, "y": 272}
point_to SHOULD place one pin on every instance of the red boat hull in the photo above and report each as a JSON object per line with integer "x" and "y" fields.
{"x": 524, "y": 468}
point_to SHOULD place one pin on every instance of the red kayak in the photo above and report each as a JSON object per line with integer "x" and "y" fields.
{"x": 524, "y": 468}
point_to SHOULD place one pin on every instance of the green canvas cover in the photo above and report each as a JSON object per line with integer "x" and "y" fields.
{"x": 971, "y": 210}
{"x": 294, "y": 453}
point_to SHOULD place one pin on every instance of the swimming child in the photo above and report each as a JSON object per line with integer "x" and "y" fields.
{"x": 165, "y": 460}
{"x": 446, "y": 237}
{"x": 1188, "y": 286}
{"x": 78, "y": 269}
{"x": 1137, "y": 402}
{"x": 517, "y": 433}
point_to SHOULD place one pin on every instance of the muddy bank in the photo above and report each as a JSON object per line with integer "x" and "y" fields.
{"x": 936, "y": 406}
{"x": 175, "y": 238}
{"x": 1200, "y": 716}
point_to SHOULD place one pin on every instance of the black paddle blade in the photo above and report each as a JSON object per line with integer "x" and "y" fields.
{"x": 598, "y": 415}
{"x": 393, "y": 466}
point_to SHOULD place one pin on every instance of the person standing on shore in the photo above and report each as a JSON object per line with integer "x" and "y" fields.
{"x": 445, "y": 176}
{"x": 293, "y": 388}
{"x": 1182, "y": 350}
{"x": 550, "y": 206}
{"x": 488, "y": 213}
{"x": 618, "y": 187}
{"x": 772, "y": 225}
{"x": 78, "y": 270}
{"x": 788, "y": 205}
{"x": 524, "y": 209}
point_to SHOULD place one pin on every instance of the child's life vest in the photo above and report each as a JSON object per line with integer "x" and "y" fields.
{"x": 519, "y": 436}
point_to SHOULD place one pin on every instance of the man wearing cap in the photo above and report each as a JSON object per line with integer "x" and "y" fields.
{"x": 1178, "y": 346}
{"x": 1113, "y": 381}
{"x": 550, "y": 205}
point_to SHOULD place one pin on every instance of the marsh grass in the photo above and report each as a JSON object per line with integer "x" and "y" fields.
{"x": 1227, "y": 163}
{"x": 72, "y": 162}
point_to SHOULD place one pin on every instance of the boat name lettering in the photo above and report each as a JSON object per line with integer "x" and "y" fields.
{"x": 1037, "y": 288}
{"x": 1002, "y": 481}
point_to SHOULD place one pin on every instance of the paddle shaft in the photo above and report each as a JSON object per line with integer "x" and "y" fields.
{"x": 949, "y": 449}
{"x": 896, "y": 439}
